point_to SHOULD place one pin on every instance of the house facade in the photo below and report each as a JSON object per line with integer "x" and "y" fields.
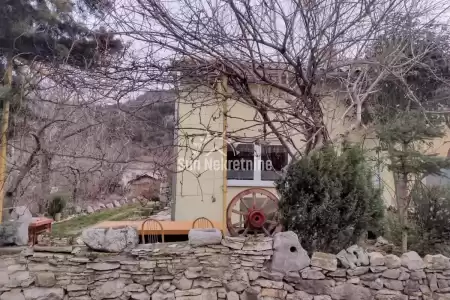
{"x": 223, "y": 149}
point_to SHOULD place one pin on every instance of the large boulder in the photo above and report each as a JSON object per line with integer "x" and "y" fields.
{"x": 21, "y": 214}
{"x": 288, "y": 254}
{"x": 203, "y": 237}
{"x": 14, "y": 231}
{"x": 111, "y": 239}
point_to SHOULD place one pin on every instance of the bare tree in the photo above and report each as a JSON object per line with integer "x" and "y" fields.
{"x": 296, "y": 50}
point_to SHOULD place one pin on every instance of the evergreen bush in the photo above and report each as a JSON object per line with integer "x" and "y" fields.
{"x": 56, "y": 205}
{"x": 431, "y": 217}
{"x": 329, "y": 198}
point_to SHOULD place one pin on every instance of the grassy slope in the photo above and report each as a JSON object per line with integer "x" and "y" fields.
{"x": 76, "y": 225}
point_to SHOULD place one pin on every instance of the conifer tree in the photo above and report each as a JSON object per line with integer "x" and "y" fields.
{"x": 45, "y": 32}
{"x": 405, "y": 139}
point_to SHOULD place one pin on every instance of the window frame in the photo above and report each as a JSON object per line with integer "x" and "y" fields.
{"x": 256, "y": 181}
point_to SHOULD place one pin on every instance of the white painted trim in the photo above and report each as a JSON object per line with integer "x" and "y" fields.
{"x": 256, "y": 181}
{"x": 257, "y": 163}
{"x": 250, "y": 183}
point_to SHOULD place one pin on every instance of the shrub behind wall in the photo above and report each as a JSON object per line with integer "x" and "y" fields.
{"x": 329, "y": 198}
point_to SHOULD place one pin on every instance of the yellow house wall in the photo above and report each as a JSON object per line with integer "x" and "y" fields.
{"x": 200, "y": 193}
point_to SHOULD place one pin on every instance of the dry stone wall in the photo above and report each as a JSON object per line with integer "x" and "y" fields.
{"x": 234, "y": 269}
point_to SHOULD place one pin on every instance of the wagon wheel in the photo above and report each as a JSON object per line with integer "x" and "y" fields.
{"x": 253, "y": 211}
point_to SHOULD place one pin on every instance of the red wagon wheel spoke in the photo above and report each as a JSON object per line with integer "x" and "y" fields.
{"x": 259, "y": 218}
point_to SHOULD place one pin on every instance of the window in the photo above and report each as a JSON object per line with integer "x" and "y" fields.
{"x": 251, "y": 164}
{"x": 273, "y": 159}
{"x": 240, "y": 162}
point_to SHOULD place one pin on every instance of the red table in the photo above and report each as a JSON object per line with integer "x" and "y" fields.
{"x": 38, "y": 226}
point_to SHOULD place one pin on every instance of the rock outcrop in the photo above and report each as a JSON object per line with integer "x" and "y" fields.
{"x": 14, "y": 231}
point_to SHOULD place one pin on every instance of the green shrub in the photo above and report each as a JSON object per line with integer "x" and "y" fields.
{"x": 430, "y": 216}
{"x": 392, "y": 230}
{"x": 56, "y": 205}
{"x": 329, "y": 199}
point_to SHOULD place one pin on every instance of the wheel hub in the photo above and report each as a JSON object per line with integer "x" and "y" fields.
{"x": 256, "y": 218}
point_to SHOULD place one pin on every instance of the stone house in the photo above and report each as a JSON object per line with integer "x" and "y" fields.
{"x": 144, "y": 185}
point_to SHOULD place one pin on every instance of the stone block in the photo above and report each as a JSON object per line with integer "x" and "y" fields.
{"x": 412, "y": 260}
{"x": 376, "y": 259}
{"x": 204, "y": 237}
{"x": 103, "y": 266}
{"x": 352, "y": 257}
{"x": 324, "y": 261}
{"x": 349, "y": 291}
{"x": 391, "y": 273}
{"x": 436, "y": 262}
{"x": 273, "y": 293}
{"x": 316, "y": 287}
{"x": 233, "y": 242}
{"x": 183, "y": 283}
{"x": 232, "y": 296}
{"x": 44, "y": 293}
{"x": 309, "y": 273}
{"x": 392, "y": 261}
{"x": 140, "y": 296}
{"x": 358, "y": 271}
{"x": 111, "y": 239}
{"x": 45, "y": 279}
{"x": 12, "y": 295}
{"x": 392, "y": 284}
{"x": 299, "y": 295}
{"x": 258, "y": 244}
{"x": 108, "y": 290}
{"x": 288, "y": 253}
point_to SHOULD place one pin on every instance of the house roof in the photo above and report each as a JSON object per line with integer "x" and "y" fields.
{"x": 139, "y": 177}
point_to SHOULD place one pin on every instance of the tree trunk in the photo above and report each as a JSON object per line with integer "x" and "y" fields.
{"x": 402, "y": 195}
{"x": 45, "y": 183}
{"x": 4, "y": 134}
